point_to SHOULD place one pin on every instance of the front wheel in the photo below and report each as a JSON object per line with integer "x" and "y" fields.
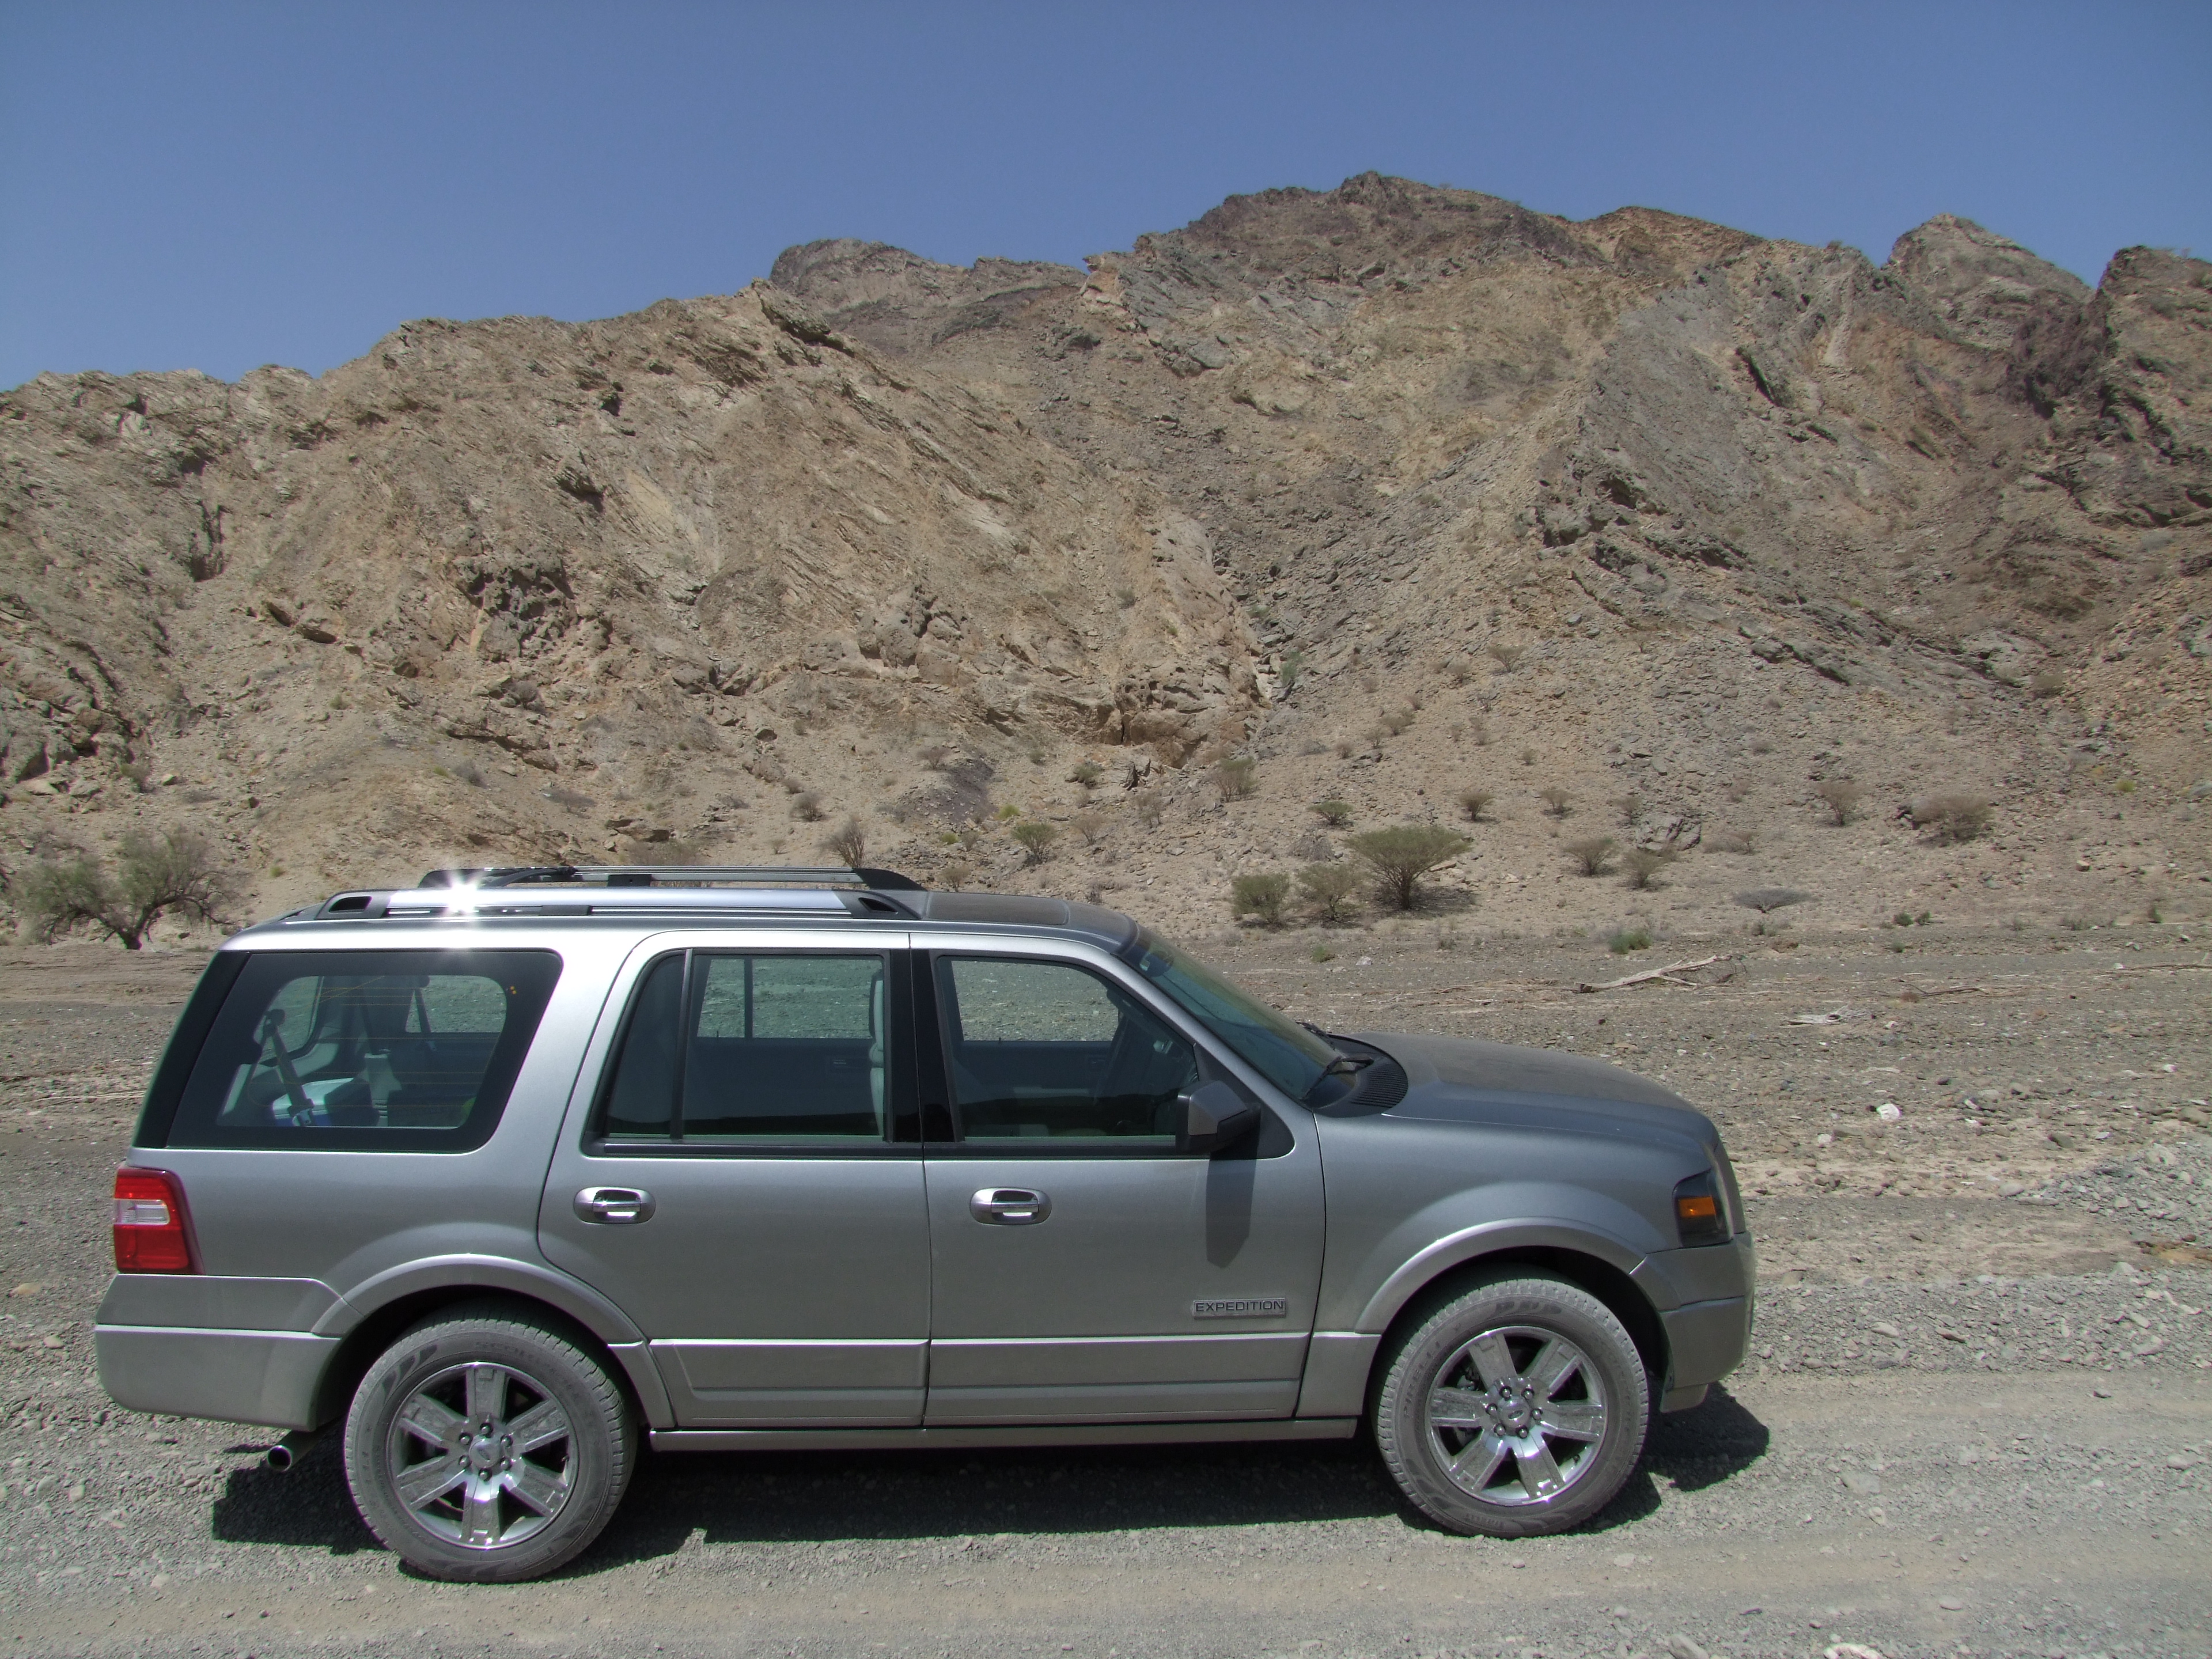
{"x": 488, "y": 1446}
{"x": 1516, "y": 1409}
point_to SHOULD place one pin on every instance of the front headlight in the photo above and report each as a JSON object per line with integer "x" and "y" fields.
{"x": 1700, "y": 1216}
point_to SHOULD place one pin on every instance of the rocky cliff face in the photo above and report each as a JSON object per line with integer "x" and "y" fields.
{"x": 1399, "y": 490}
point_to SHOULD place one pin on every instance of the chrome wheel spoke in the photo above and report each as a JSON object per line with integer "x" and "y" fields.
{"x": 423, "y": 1484}
{"x": 1574, "y": 1419}
{"x": 541, "y": 1425}
{"x": 433, "y": 1422}
{"x": 1540, "y": 1470}
{"x": 1492, "y": 1358}
{"x": 536, "y": 1485}
{"x": 1458, "y": 1408}
{"x": 487, "y": 1394}
{"x": 1555, "y": 1362}
{"x": 1476, "y": 1465}
{"x": 480, "y": 1513}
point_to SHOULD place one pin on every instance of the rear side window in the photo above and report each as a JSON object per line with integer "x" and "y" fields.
{"x": 733, "y": 1049}
{"x": 394, "y": 1050}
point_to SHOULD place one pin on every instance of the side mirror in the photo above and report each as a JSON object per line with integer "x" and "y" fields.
{"x": 1215, "y": 1116}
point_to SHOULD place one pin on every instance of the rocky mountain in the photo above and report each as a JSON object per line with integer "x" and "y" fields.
{"x": 1396, "y": 491}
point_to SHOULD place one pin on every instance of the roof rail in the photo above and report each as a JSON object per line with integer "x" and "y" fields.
{"x": 674, "y": 875}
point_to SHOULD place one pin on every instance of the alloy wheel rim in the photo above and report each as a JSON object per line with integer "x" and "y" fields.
{"x": 1516, "y": 1416}
{"x": 481, "y": 1455}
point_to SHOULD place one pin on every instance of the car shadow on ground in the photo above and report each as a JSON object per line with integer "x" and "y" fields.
{"x": 762, "y": 1498}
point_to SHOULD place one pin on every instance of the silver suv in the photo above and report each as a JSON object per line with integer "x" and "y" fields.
{"x": 511, "y": 1171}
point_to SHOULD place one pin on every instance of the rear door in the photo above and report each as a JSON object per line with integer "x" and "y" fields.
{"x": 741, "y": 1174}
{"x": 1084, "y": 1270}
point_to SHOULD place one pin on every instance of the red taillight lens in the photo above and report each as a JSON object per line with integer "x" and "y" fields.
{"x": 152, "y": 1234}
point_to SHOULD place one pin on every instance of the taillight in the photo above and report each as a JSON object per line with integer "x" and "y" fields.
{"x": 153, "y": 1234}
{"x": 1699, "y": 1217}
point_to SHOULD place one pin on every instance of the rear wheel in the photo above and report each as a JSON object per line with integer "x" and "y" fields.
{"x": 487, "y": 1444}
{"x": 1517, "y": 1408}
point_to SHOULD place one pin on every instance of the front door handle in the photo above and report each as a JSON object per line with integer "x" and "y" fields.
{"x": 614, "y": 1207}
{"x": 1009, "y": 1206}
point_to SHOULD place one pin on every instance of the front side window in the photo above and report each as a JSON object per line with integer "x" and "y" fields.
{"x": 1045, "y": 1050}
{"x": 397, "y": 1050}
{"x": 729, "y": 1050}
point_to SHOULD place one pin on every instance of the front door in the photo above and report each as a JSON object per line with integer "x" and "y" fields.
{"x": 1084, "y": 1270}
{"x": 745, "y": 1182}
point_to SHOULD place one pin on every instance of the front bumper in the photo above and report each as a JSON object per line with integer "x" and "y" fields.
{"x": 234, "y": 1376}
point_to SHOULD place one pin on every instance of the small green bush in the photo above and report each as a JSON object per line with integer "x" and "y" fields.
{"x": 1474, "y": 803}
{"x": 1400, "y": 856}
{"x": 1036, "y": 838}
{"x": 1622, "y": 940}
{"x": 1645, "y": 864}
{"x": 1953, "y": 817}
{"x": 1592, "y": 855}
{"x": 1322, "y": 953}
{"x": 1329, "y": 889}
{"x": 1262, "y": 895}
{"x": 1333, "y": 813}
{"x": 1087, "y": 773}
{"x": 1236, "y": 778}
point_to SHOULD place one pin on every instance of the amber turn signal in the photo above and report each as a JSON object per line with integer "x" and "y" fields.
{"x": 1698, "y": 1215}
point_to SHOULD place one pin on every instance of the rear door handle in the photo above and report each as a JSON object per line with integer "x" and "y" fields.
{"x": 1009, "y": 1206}
{"x": 614, "y": 1207}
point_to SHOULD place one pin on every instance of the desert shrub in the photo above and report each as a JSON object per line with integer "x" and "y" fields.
{"x": 1344, "y": 749}
{"x": 1333, "y": 813}
{"x": 1730, "y": 841}
{"x": 1767, "y": 899}
{"x": 1089, "y": 823}
{"x": 1479, "y": 729}
{"x": 1631, "y": 809}
{"x": 1557, "y": 801}
{"x": 1290, "y": 670}
{"x": 1377, "y": 735}
{"x": 806, "y": 806}
{"x": 936, "y": 755}
{"x": 1329, "y": 889}
{"x": 1395, "y": 720}
{"x": 1474, "y": 803}
{"x": 1150, "y": 808}
{"x": 471, "y": 774}
{"x": 1262, "y": 896}
{"x": 1527, "y": 757}
{"x": 849, "y": 841}
{"x": 1008, "y": 812}
{"x": 1643, "y": 865}
{"x": 1622, "y": 940}
{"x": 1951, "y": 816}
{"x": 1036, "y": 837}
{"x": 155, "y": 875}
{"x": 1841, "y": 797}
{"x": 2048, "y": 684}
{"x": 1236, "y": 778}
{"x": 956, "y": 873}
{"x": 1400, "y": 856}
{"x": 1322, "y": 953}
{"x": 1507, "y": 657}
{"x": 968, "y": 836}
{"x": 1087, "y": 773}
{"x": 1592, "y": 855}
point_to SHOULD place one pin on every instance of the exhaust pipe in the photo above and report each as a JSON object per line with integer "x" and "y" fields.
{"x": 286, "y": 1453}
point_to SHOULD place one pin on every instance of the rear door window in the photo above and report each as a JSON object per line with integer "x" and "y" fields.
{"x": 397, "y": 1050}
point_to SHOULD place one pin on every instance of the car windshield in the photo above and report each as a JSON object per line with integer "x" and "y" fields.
{"x": 1287, "y": 1054}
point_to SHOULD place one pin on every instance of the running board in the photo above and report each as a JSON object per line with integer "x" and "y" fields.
{"x": 1020, "y": 1434}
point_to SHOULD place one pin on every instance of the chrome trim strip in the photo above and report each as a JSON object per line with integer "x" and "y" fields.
{"x": 1064, "y": 1434}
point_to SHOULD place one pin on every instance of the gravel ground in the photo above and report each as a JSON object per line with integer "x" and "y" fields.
{"x": 1978, "y": 1419}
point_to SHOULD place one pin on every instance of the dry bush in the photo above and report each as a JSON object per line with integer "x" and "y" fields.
{"x": 1557, "y": 801}
{"x": 153, "y": 875}
{"x": 1330, "y": 891}
{"x": 806, "y": 806}
{"x": 956, "y": 873}
{"x": 1400, "y": 856}
{"x": 1237, "y": 778}
{"x": 2048, "y": 684}
{"x": 1089, "y": 823}
{"x": 1643, "y": 865}
{"x": 1730, "y": 841}
{"x": 1479, "y": 729}
{"x": 936, "y": 755}
{"x": 1458, "y": 669}
{"x": 1344, "y": 749}
{"x": 1527, "y": 757}
{"x": 1508, "y": 657}
{"x": 1474, "y": 803}
{"x": 1592, "y": 854}
{"x": 1036, "y": 837}
{"x": 1087, "y": 773}
{"x": 1395, "y": 720}
{"x": 1334, "y": 812}
{"x": 1630, "y": 807}
{"x": 850, "y": 841}
{"x": 1150, "y": 808}
{"x": 1262, "y": 895}
{"x": 1841, "y": 797}
{"x": 1953, "y": 817}
{"x": 1767, "y": 899}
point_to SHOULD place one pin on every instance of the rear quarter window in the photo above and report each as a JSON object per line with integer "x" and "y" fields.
{"x": 383, "y": 1050}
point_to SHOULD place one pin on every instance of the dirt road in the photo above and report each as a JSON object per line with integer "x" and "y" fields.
{"x": 1979, "y": 1417}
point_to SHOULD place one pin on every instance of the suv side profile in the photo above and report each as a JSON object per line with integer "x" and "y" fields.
{"x": 515, "y": 1172}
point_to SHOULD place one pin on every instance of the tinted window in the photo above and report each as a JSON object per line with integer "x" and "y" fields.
{"x": 1043, "y": 1049}
{"x": 396, "y": 1049}
{"x": 732, "y": 1048}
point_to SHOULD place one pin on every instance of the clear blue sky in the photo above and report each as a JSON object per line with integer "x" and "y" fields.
{"x": 216, "y": 186}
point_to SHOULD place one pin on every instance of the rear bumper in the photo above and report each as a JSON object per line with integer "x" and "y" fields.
{"x": 233, "y": 1376}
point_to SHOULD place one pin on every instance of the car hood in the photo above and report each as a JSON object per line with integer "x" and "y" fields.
{"x": 1459, "y": 1079}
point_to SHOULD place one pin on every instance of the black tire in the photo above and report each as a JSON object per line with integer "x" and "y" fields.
{"x": 1488, "y": 1439}
{"x": 454, "y": 1502}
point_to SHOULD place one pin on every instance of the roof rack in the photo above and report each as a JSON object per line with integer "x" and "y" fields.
{"x": 631, "y": 889}
{"x": 675, "y": 875}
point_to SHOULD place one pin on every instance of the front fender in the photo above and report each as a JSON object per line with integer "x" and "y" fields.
{"x": 1466, "y": 1244}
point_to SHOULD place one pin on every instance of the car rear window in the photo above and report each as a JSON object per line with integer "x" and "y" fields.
{"x": 394, "y": 1050}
